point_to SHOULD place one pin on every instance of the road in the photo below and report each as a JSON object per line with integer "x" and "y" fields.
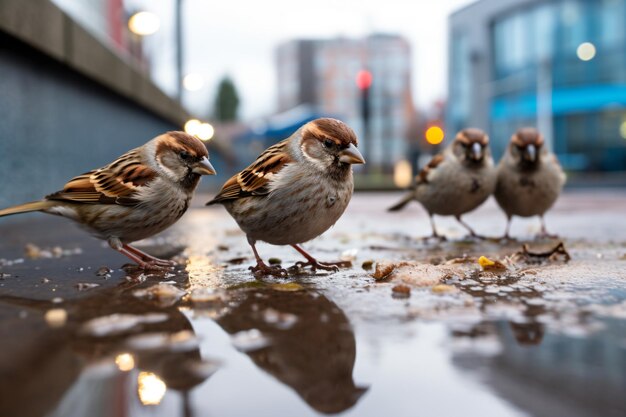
{"x": 540, "y": 337}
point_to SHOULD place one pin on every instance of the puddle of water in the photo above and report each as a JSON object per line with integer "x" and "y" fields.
{"x": 208, "y": 339}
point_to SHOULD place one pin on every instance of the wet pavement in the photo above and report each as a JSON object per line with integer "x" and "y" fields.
{"x": 437, "y": 334}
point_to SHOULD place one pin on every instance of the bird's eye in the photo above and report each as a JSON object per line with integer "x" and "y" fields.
{"x": 184, "y": 155}
{"x": 328, "y": 143}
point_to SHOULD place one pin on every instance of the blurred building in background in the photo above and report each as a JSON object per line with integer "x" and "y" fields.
{"x": 559, "y": 65}
{"x": 331, "y": 74}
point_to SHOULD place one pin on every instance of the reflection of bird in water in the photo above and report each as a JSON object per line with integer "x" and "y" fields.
{"x": 314, "y": 355}
{"x": 49, "y": 364}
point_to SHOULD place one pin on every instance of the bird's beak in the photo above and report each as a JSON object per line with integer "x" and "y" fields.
{"x": 531, "y": 152}
{"x": 351, "y": 155}
{"x": 477, "y": 151}
{"x": 204, "y": 167}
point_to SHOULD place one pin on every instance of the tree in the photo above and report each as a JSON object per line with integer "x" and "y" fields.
{"x": 226, "y": 101}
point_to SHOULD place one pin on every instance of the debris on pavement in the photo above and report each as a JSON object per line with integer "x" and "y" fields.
{"x": 489, "y": 265}
{"x": 117, "y": 323}
{"x": 367, "y": 265}
{"x": 32, "y": 251}
{"x": 56, "y": 317}
{"x": 84, "y": 286}
{"x": 164, "y": 294}
{"x": 401, "y": 291}
{"x": 554, "y": 254}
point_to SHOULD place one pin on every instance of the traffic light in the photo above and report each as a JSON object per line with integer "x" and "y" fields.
{"x": 364, "y": 82}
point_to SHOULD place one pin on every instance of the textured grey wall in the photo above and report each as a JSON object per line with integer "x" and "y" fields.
{"x": 55, "y": 124}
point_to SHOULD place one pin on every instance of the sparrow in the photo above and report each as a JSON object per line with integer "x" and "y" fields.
{"x": 456, "y": 181}
{"x": 295, "y": 190}
{"x": 530, "y": 178}
{"x": 138, "y": 195}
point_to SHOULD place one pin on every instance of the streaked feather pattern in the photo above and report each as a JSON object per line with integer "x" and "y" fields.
{"x": 117, "y": 183}
{"x": 255, "y": 178}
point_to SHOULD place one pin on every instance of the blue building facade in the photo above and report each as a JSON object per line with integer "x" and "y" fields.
{"x": 559, "y": 65}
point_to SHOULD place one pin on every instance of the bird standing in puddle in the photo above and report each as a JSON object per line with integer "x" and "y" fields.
{"x": 295, "y": 190}
{"x": 138, "y": 195}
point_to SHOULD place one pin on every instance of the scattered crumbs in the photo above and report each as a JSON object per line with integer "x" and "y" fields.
{"x": 237, "y": 261}
{"x": 57, "y": 300}
{"x": 45, "y": 280}
{"x": 84, "y": 286}
{"x": 383, "y": 270}
{"x": 56, "y": 317}
{"x": 349, "y": 255}
{"x": 164, "y": 294}
{"x": 443, "y": 288}
{"x": 401, "y": 291}
{"x": 489, "y": 265}
{"x": 104, "y": 271}
{"x": 367, "y": 265}
{"x": 119, "y": 323}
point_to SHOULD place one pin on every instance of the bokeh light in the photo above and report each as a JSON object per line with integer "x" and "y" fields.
{"x": 192, "y": 126}
{"x": 144, "y": 23}
{"x": 125, "y": 362}
{"x": 622, "y": 129}
{"x": 363, "y": 79}
{"x": 193, "y": 82}
{"x": 434, "y": 135}
{"x": 150, "y": 388}
{"x": 402, "y": 174}
{"x": 205, "y": 132}
{"x": 586, "y": 51}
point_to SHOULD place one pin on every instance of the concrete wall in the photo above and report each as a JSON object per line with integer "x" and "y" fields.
{"x": 56, "y": 123}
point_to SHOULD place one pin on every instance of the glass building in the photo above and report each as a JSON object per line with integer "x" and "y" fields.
{"x": 559, "y": 65}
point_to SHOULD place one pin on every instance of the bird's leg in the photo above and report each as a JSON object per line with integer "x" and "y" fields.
{"x": 261, "y": 269}
{"x": 117, "y": 245}
{"x": 435, "y": 235}
{"x": 314, "y": 264}
{"x": 507, "y": 236}
{"x": 544, "y": 231}
{"x": 149, "y": 258}
{"x": 469, "y": 229}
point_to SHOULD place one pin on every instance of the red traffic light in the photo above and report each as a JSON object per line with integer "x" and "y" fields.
{"x": 363, "y": 79}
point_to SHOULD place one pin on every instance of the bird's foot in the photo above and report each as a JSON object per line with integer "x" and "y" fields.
{"x": 325, "y": 266}
{"x": 545, "y": 235}
{"x": 505, "y": 238}
{"x": 476, "y": 236}
{"x": 436, "y": 238}
{"x": 262, "y": 270}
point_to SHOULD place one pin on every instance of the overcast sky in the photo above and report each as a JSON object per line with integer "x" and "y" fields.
{"x": 238, "y": 37}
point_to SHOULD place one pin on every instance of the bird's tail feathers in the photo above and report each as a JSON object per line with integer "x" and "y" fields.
{"x": 27, "y": 207}
{"x": 406, "y": 200}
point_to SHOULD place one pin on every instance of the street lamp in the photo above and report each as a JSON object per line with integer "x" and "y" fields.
{"x": 193, "y": 82}
{"x": 144, "y": 23}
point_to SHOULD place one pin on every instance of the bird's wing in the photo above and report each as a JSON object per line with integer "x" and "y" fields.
{"x": 422, "y": 177}
{"x": 116, "y": 183}
{"x": 254, "y": 180}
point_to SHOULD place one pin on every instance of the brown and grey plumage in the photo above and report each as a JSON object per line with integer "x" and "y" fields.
{"x": 295, "y": 190}
{"x": 456, "y": 181}
{"x": 530, "y": 178}
{"x": 138, "y": 195}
